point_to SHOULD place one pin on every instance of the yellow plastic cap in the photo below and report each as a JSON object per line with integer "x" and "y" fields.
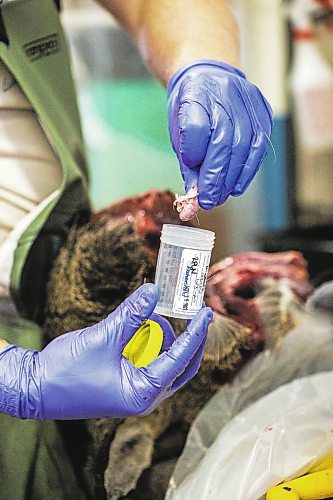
{"x": 145, "y": 345}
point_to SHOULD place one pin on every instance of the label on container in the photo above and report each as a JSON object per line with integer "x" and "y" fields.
{"x": 191, "y": 282}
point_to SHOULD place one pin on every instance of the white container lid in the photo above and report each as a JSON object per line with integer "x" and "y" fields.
{"x": 187, "y": 237}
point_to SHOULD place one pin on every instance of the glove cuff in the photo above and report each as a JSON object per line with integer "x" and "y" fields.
{"x": 17, "y": 367}
{"x": 202, "y": 62}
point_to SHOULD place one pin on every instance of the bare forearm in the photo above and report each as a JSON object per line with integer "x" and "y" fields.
{"x": 171, "y": 33}
{"x": 3, "y": 344}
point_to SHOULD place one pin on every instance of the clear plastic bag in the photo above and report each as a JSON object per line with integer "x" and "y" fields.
{"x": 261, "y": 430}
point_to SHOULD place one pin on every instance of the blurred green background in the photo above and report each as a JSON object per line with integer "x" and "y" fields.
{"x": 125, "y": 125}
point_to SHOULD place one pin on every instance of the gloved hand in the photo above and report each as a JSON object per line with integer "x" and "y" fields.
{"x": 219, "y": 125}
{"x": 83, "y": 374}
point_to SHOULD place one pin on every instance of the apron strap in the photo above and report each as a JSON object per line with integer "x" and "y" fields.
{"x": 37, "y": 56}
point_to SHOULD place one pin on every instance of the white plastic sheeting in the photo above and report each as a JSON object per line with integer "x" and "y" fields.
{"x": 252, "y": 435}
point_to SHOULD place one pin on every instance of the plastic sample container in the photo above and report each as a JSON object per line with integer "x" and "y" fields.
{"x": 182, "y": 268}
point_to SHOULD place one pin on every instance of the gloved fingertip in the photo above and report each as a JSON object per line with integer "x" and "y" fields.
{"x": 241, "y": 187}
{"x": 223, "y": 198}
{"x": 146, "y": 296}
{"x": 237, "y": 191}
{"x": 202, "y": 320}
{"x": 148, "y": 289}
{"x": 206, "y": 204}
{"x": 208, "y": 311}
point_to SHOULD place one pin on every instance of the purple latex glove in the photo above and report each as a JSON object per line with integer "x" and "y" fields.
{"x": 83, "y": 374}
{"x": 219, "y": 124}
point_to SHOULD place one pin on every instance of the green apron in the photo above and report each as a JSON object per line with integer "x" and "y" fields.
{"x": 33, "y": 461}
{"x": 34, "y": 464}
{"x": 36, "y": 55}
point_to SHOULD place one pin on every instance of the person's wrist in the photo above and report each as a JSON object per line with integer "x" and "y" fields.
{"x": 208, "y": 63}
{"x": 3, "y": 345}
{"x": 16, "y": 377}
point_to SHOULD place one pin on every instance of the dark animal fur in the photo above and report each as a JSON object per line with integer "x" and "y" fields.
{"x": 99, "y": 266}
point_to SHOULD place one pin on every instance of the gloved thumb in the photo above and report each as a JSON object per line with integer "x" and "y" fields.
{"x": 121, "y": 325}
{"x": 194, "y": 133}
